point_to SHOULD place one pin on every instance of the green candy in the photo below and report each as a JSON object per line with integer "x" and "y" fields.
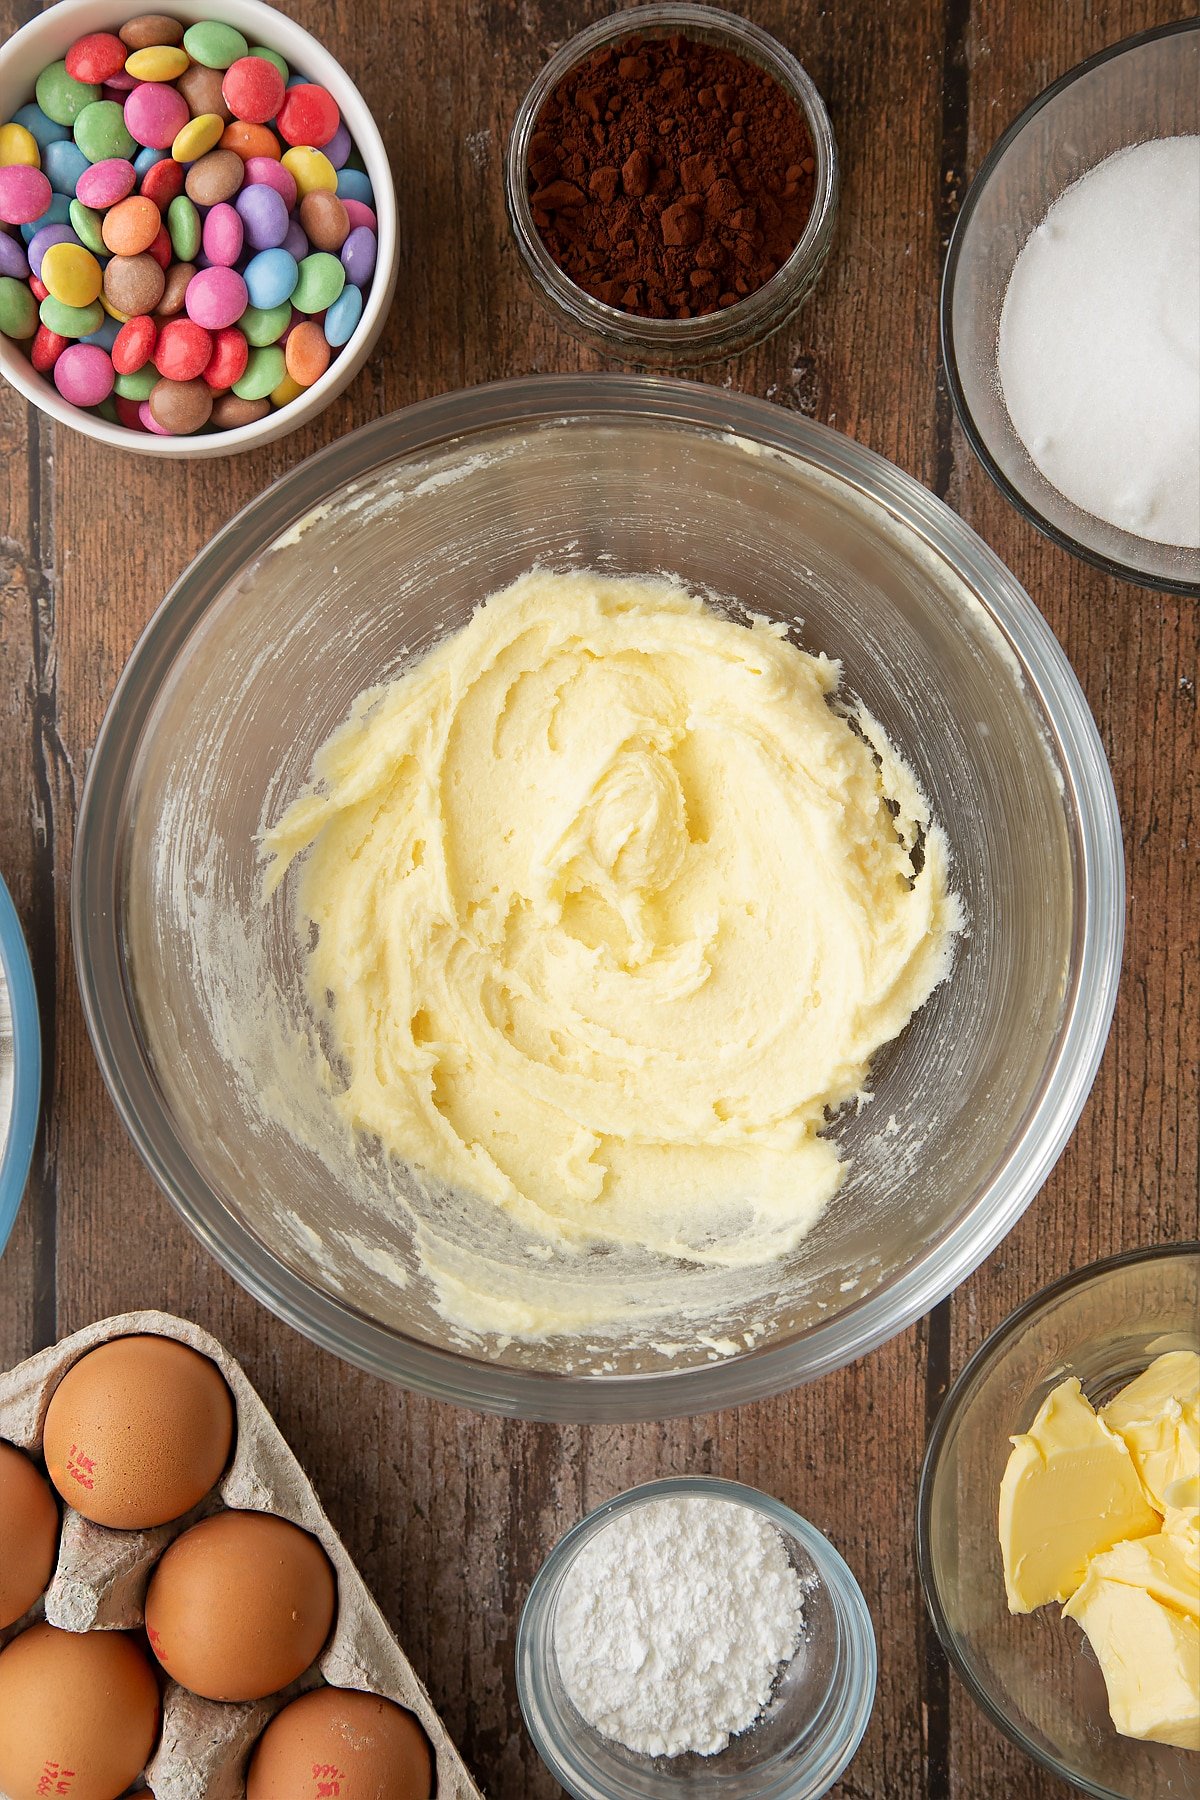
{"x": 138, "y": 385}
{"x": 107, "y": 410}
{"x": 265, "y": 325}
{"x": 213, "y": 44}
{"x": 354, "y": 160}
{"x": 18, "y": 309}
{"x": 101, "y": 132}
{"x": 70, "y": 321}
{"x": 264, "y": 372}
{"x": 85, "y": 223}
{"x": 61, "y": 97}
{"x": 183, "y": 228}
{"x": 271, "y": 56}
{"x": 320, "y": 281}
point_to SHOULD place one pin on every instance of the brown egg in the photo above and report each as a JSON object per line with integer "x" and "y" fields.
{"x": 78, "y": 1714}
{"x": 138, "y": 1431}
{"x": 28, "y": 1534}
{"x": 240, "y": 1605}
{"x": 340, "y": 1741}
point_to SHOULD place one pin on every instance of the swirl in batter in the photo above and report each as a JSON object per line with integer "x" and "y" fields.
{"x": 612, "y": 909}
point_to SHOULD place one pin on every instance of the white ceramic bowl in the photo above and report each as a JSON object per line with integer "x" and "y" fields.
{"x": 45, "y": 40}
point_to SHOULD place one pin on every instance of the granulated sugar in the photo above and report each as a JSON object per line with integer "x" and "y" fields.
{"x": 674, "y": 1621}
{"x": 1100, "y": 342}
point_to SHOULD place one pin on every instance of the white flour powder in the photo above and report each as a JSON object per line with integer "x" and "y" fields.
{"x": 1100, "y": 342}
{"x": 673, "y": 1623}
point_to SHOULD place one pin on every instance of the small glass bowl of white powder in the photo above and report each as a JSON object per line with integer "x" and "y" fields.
{"x": 1071, "y": 310}
{"x": 695, "y": 1636}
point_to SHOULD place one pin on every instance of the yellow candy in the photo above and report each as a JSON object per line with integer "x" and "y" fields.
{"x": 72, "y": 274}
{"x": 110, "y": 309}
{"x": 287, "y": 391}
{"x": 18, "y": 146}
{"x": 160, "y": 62}
{"x": 199, "y": 136}
{"x": 312, "y": 172}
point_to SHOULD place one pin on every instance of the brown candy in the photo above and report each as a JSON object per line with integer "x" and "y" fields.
{"x": 325, "y": 220}
{"x": 215, "y": 177}
{"x": 201, "y": 88}
{"x": 133, "y": 284}
{"x": 170, "y": 301}
{"x": 181, "y": 406}
{"x": 231, "y": 411}
{"x": 150, "y": 29}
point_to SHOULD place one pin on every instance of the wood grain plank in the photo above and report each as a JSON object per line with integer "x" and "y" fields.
{"x": 1130, "y": 1174}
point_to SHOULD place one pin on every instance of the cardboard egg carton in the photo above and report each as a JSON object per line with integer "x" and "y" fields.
{"x": 101, "y": 1578}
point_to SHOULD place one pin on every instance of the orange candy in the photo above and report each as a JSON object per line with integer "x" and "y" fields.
{"x": 306, "y": 353}
{"x": 250, "y": 140}
{"x": 131, "y": 226}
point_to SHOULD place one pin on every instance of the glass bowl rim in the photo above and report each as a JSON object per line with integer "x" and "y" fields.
{"x": 854, "y": 1615}
{"x": 948, "y": 1414}
{"x": 720, "y": 334}
{"x": 1039, "y": 1136}
{"x": 1130, "y": 572}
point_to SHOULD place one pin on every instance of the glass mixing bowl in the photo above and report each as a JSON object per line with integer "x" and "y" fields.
{"x": 808, "y": 1733}
{"x": 1146, "y": 87}
{"x": 340, "y": 574}
{"x": 1034, "y": 1674}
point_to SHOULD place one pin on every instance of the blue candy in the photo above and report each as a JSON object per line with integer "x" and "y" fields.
{"x": 57, "y": 213}
{"x": 343, "y": 316}
{"x": 353, "y": 184}
{"x": 63, "y": 164}
{"x": 106, "y": 337}
{"x": 271, "y": 277}
{"x": 43, "y": 128}
{"x": 146, "y": 159}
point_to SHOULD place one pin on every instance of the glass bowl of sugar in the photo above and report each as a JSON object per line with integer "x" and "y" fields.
{"x": 1071, "y": 310}
{"x": 694, "y": 1636}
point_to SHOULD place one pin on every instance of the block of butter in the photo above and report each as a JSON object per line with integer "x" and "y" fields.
{"x": 1102, "y": 1511}
{"x": 1070, "y": 1490}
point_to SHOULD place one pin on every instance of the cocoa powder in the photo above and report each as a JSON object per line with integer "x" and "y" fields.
{"x": 669, "y": 177}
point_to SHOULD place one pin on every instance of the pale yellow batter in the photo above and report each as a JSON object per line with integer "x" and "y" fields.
{"x": 612, "y": 912}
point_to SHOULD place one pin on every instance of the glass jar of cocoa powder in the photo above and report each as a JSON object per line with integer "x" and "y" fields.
{"x": 611, "y": 315}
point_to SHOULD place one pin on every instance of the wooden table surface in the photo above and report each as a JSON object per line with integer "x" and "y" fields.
{"x": 449, "y": 1514}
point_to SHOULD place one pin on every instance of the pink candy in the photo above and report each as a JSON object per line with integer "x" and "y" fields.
{"x": 216, "y": 298}
{"x": 264, "y": 171}
{"x": 149, "y": 422}
{"x": 223, "y": 234}
{"x": 155, "y": 114}
{"x": 84, "y": 374}
{"x": 359, "y": 213}
{"x": 104, "y": 183}
{"x": 25, "y": 194}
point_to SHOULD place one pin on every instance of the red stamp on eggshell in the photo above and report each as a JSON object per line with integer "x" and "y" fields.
{"x": 54, "y": 1779}
{"x": 328, "y": 1779}
{"x": 81, "y": 1468}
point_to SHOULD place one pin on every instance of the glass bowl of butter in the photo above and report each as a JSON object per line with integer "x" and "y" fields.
{"x": 611, "y": 898}
{"x": 1058, "y": 1530}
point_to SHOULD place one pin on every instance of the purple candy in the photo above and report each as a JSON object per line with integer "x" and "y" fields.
{"x": 118, "y": 85}
{"x": 295, "y": 243}
{"x": 25, "y": 194}
{"x": 339, "y": 146}
{"x": 13, "y": 260}
{"x": 104, "y": 183}
{"x": 155, "y": 114}
{"x": 41, "y": 241}
{"x": 264, "y": 171}
{"x": 359, "y": 213}
{"x": 215, "y": 298}
{"x": 223, "y": 233}
{"x": 358, "y": 256}
{"x": 264, "y": 214}
{"x": 84, "y": 374}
